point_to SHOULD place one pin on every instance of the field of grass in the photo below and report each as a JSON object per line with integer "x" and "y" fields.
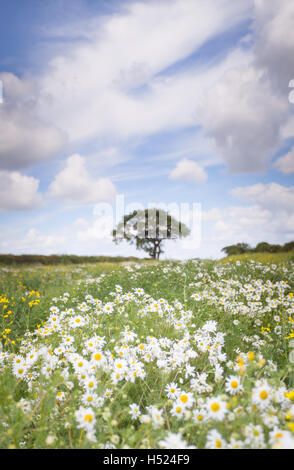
{"x": 273, "y": 258}
{"x": 192, "y": 354}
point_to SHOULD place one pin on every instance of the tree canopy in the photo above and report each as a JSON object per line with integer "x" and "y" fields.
{"x": 148, "y": 229}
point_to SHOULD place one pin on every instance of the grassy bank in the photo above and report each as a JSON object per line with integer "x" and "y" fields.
{"x": 47, "y": 260}
{"x": 274, "y": 258}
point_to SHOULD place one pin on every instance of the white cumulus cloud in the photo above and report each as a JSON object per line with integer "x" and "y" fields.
{"x": 271, "y": 196}
{"x": 25, "y": 139}
{"x": 274, "y": 26}
{"x": 75, "y": 185}
{"x": 18, "y": 192}
{"x": 244, "y": 117}
{"x": 113, "y": 84}
{"x": 189, "y": 170}
{"x": 247, "y": 111}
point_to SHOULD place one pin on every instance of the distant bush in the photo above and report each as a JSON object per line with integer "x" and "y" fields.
{"x": 288, "y": 246}
{"x": 265, "y": 247}
{"x": 262, "y": 247}
{"x": 61, "y": 259}
{"x": 237, "y": 249}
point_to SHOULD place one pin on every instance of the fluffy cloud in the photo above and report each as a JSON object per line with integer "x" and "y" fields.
{"x": 189, "y": 170}
{"x": 113, "y": 84}
{"x": 79, "y": 237}
{"x": 237, "y": 222}
{"x": 100, "y": 229}
{"x": 250, "y": 224}
{"x": 244, "y": 116}
{"x": 271, "y": 196}
{"x": 35, "y": 240}
{"x": 285, "y": 164}
{"x": 246, "y": 112}
{"x": 18, "y": 192}
{"x": 74, "y": 185}
{"x": 24, "y": 138}
{"x": 267, "y": 216}
{"x": 275, "y": 38}
{"x": 32, "y": 242}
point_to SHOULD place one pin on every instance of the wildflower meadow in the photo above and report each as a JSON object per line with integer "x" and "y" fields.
{"x": 148, "y": 355}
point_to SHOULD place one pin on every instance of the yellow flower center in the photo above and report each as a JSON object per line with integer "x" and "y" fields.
{"x": 234, "y": 384}
{"x": 263, "y": 395}
{"x": 88, "y": 418}
{"x": 215, "y": 407}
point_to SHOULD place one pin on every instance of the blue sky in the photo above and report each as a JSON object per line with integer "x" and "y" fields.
{"x": 166, "y": 101}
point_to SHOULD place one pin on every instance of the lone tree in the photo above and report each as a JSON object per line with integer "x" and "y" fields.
{"x": 148, "y": 229}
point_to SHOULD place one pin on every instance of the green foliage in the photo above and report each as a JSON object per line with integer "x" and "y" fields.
{"x": 288, "y": 246}
{"x": 236, "y": 249}
{"x": 262, "y": 247}
{"x": 148, "y": 229}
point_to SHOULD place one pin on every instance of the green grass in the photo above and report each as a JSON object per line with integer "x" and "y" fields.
{"x": 49, "y": 260}
{"x": 273, "y": 258}
{"x": 28, "y": 292}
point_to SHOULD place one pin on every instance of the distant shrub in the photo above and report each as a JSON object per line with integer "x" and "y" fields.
{"x": 262, "y": 247}
{"x": 237, "y": 249}
{"x": 265, "y": 247}
{"x": 288, "y": 246}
